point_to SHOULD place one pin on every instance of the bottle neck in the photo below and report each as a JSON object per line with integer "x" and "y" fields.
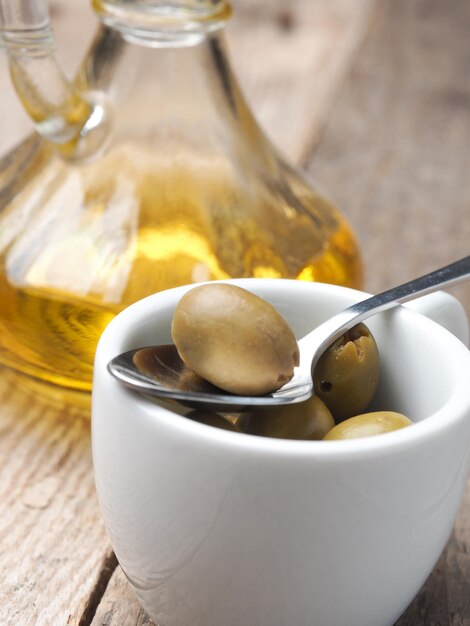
{"x": 158, "y": 23}
{"x": 170, "y": 97}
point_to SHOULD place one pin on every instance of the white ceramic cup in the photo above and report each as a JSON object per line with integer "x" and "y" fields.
{"x": 214, "y": 528}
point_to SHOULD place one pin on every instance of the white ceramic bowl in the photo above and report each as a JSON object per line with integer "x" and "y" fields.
{"x": 214, "y": 528}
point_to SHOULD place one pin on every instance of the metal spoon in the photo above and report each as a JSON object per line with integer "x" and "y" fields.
{"x": 159, "y": 371}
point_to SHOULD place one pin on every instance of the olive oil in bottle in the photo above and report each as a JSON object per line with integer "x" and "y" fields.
{"x": 185, "y": 188}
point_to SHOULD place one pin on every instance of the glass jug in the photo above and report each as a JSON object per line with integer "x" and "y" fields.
{"x": 148, "y": 172}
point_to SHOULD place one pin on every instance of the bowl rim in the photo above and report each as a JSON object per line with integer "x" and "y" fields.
{"x": 454, "y": 412}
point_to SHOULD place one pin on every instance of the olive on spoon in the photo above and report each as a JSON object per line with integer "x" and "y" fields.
{"x": 160, "y": 372}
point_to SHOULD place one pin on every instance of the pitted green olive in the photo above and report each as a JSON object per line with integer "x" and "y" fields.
{"x": 347, "y": 374}
{"x": 234, "y": 339}
{"x": 306, "y": 420}
{"x": 368, "y": 425}
{"x": 212, "y": 419}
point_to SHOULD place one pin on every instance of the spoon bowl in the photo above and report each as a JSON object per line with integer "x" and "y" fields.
{"x": 159, "y": 371}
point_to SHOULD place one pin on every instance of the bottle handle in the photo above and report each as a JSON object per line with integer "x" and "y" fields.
{"x": 73, "y": 122}
{"x": 446, "y": 310}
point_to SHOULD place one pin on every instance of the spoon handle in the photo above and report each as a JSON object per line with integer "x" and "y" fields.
{"x": 443, "y": 277}
{"x": 313, "y": 346}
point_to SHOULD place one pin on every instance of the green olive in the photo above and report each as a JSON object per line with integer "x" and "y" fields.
{"x": 368, "y": 425}
{"x": 307, "y": 420}
{"x": 347, "y": 374}
{"x": 212, "y": 419}
{"x": 234, "y": 339}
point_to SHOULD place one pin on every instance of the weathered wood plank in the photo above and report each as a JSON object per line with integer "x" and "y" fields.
{"x": 395, "y": 152}
{"x": 291, "y": 58}
{"x": 55, "y": 557}
{"x": 119, "y": 606}
{"x": 395, "y": 156}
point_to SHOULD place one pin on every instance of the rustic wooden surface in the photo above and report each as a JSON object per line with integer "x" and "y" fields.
{"x": 372, "y": 96}
{"x": 55, "y": 557}
{"x": 395, "y": 150}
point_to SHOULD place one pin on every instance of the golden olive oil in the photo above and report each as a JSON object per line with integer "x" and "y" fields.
{"x": 79, "y": 242}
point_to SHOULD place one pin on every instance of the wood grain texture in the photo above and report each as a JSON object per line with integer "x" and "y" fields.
{"x": 55, "y": 558}
{"x": 395, "y": 153}
{"x": 395, "y": 156}
{"x": 119, "y": 606}
{"x": 291, "y": 58}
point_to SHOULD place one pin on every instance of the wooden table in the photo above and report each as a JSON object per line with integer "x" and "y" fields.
{"x": 372, "y": 97}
